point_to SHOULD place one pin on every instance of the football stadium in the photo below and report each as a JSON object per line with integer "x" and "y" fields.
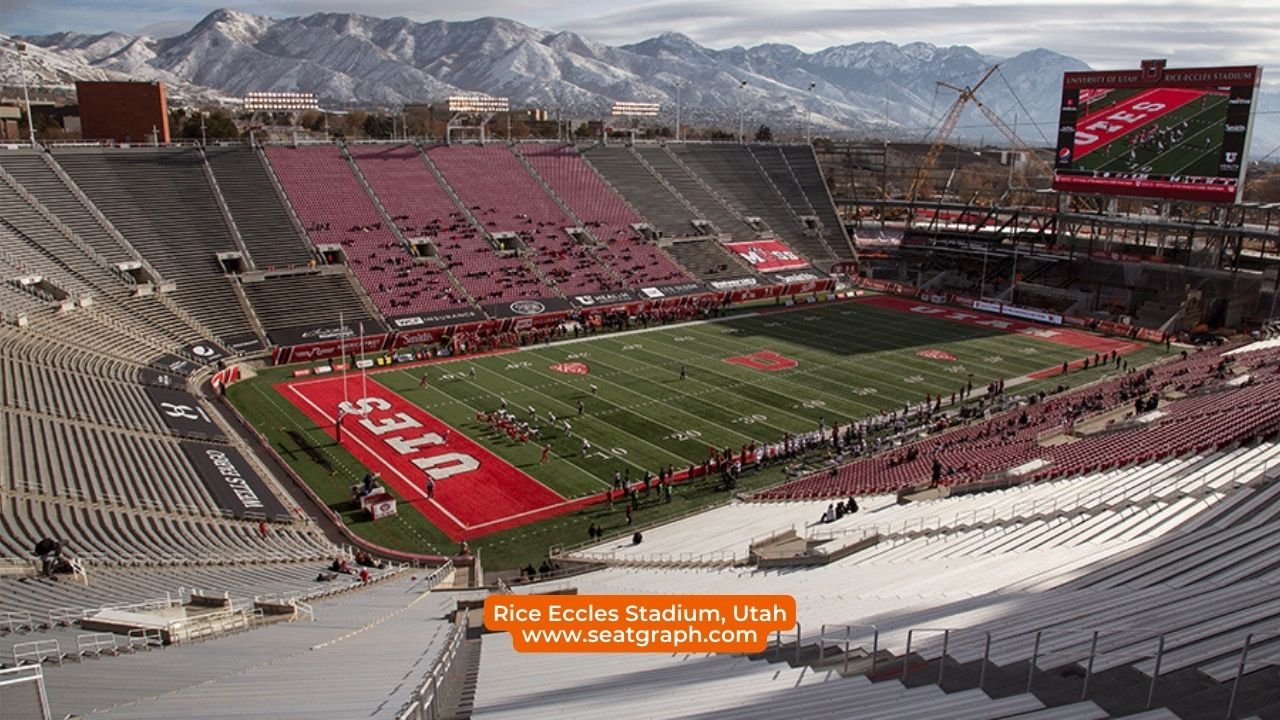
{"x": 473, "y": 428}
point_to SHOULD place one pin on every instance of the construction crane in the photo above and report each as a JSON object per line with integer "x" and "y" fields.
{"x": 945, "y": 128}
{"x": 965, "y": 96}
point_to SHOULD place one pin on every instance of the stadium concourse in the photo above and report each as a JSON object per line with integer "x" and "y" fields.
{"x": 160, "y": 561}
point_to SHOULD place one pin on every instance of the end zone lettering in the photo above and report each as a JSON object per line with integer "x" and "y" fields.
{"x": 437, "y": 467}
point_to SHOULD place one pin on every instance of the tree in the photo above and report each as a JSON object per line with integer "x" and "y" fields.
{"x": 764, "y": 134}
{"x": 352, "y": 122}
{"x": 378, "y": 126}
{"x": 312, "y": 120}
{"x": 218, "y": 125}
{"x": 418, "y": 120}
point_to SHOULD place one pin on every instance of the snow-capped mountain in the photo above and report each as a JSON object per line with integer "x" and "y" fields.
{"x": 871, "y": 88}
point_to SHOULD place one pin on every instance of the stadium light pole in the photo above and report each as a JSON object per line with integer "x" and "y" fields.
{"x": 679, "y": 86}
{"x": 21, "y": 49}
{"x": 808, "y": 116}
{"x": 742, "y": 89}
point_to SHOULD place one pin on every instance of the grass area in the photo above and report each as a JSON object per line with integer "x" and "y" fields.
{"x": 852, "y": 360}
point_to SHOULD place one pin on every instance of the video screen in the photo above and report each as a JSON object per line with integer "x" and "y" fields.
{"x": 1179, "y": 134}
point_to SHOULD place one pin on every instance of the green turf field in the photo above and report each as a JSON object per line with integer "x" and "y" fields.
{"x": 853, "y": 360}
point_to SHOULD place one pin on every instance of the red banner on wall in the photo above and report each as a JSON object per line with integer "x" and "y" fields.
{"x": 768, "y": 255}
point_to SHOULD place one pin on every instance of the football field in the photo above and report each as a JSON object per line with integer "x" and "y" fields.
{"x": 747, "y": 379}
{"x": 1180, "y": 133}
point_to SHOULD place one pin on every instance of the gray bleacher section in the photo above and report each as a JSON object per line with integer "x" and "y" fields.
{"x": 825, "y": 239}
{"x": 693, "y": 192}
{"x": 363, "y": 657}
{"x": 86, "y": 458}
{"x": 37, "y": 386}
{"x": 307, "y": 300}
{"x": 56, "y": 458}
{"x": 732, "y": 172}
{"x": 708, "y": 260}
{"x": 265, "y": 227}
{"x": 161, "y": 201}
{"x": 31, "y": 170}
{"x": 804, "y": 165}
{"x": 38, "y": 241}
{"x": 111, "y": 535}
{"x": 642, "y": 190}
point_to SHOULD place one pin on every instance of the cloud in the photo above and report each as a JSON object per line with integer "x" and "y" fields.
{"x": 1111, "y": 34}
{"x": 1103, "y": 33}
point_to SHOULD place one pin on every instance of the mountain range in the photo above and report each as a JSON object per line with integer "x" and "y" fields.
{"x": 870, "y": 89}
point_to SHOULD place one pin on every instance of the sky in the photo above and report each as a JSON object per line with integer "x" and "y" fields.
{"x": 1106, "y": 34}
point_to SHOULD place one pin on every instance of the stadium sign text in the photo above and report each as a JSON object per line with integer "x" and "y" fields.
{"x": 392, "y": 429}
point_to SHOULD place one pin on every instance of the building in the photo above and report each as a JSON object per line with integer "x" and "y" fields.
{"x": 9, "y": 123}
{"x": 127, "y": 112}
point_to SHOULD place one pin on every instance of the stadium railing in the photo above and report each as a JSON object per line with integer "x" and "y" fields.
{"x": 425, "y": 700}
{"x": 22, "y": 692}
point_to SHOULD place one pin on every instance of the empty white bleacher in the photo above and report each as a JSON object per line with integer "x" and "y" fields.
{"x": 1182, "y": 549}
{"x": 1110, "y": 508}
{"x": 362, "y": 657}
{"x": 514, "y": 685}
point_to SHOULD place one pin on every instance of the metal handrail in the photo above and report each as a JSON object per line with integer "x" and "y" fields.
{"x": 1240, "y": 669}
{"x": 1093, "y": 634}
{"x": 848, "y": 629}
{"x": 946, "y": 644}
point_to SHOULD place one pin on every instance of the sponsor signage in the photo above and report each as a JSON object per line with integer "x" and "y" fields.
{"x": 205, "y": 351}
{"x": 244, "y": 343}
{"x": 811, "y": 286}
{"x": 1180, "y": 134}
{"x": 755, "y": 293}
{"x": 231, "y": 481}
{"x": 182, "y": 414}
{"x": 664, "y": 291}
{"x": 734, "y": 283}
{"x": 794, "y": 277}
{"x": 1018, "y": 312}
{"x": 310, "y": 334}
{"x": 768, "y": 255}
{"x": 436, "y": 319}
{"x": 330, "y": 349}
{"x": 616, "y": 297}
{"x": 526, "y": 308}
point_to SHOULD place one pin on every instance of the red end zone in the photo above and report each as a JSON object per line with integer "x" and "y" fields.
{"x": 1060, "y": 335}
{"x": 1112, "y": 123}
{"x": 476, "y": 492}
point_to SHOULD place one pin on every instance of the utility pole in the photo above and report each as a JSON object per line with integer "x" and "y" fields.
{"x": 742, "y": 89}
{"x": 808, "y": 117}
{"x": 26, "y": 97}
{"x": 679, "y": 85}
